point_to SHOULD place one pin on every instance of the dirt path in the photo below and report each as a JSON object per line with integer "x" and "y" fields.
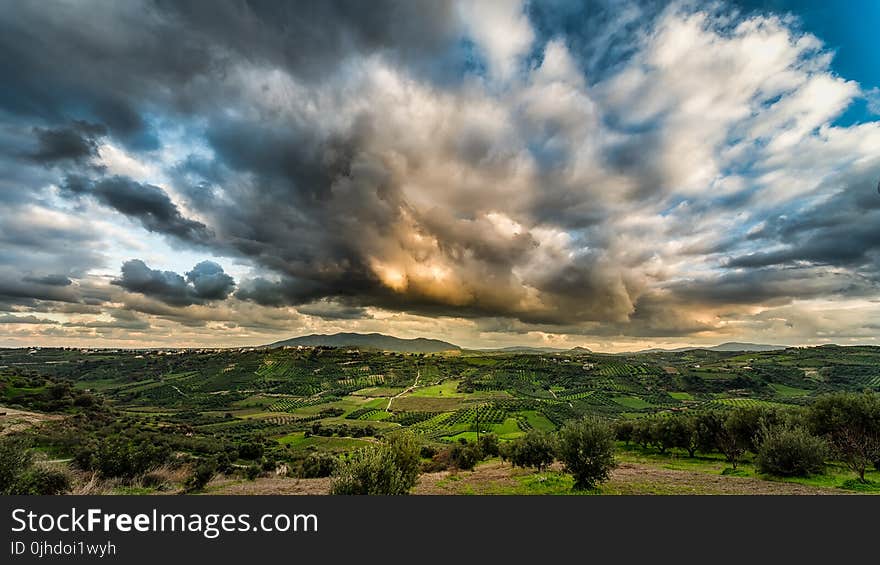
{"x": 494, "y": 478}
{"x": 15, "y": 420}
{"x": 557, "y": 398}
{"x": 401, "y": 393}
{"x": 629, "y": 478}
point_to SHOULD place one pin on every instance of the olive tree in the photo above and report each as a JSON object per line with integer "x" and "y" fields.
{"x": 586, "y": 448}
{"x": 535, "y": 449}
{"x": 851, "y": 422}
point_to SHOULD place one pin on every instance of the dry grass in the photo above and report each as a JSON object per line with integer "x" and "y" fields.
{"x": 628, "y": 479}
{"x": 635, "y": 478}
{"x": 269, "y": 485}
{"x": 13, "y": 420}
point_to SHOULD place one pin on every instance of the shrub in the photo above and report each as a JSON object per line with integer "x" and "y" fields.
{"x": 791, "y": 452}
{"x": 488, "y": 444}
{"x": 404, "y": 448}
{"x": 201, "y": 475}
{"x": 441, "y": 461}
{"x": 42, "y": 482}
{"x": 122, "y": 457}
{"x": 15, "y": 458}
{"x": 317, "y": 465}
{"x": 18, "y": 475}
{"x": 388, "y": 469}
{"x": 252, "y": 472}
{"x": 250, "y": 451}
{"x": 465, "y": 456}
{"x": 586, "y": 448}
{"x": 535, "y": 449}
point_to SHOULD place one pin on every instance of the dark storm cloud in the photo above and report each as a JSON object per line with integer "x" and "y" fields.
{"x": 210, "y": 282}
{"x": 206, "y": 282}
{"x": 112, "y": 63}
{"x": 308, "y": 37}
{"x": 771, "y": 286}
{"x": 146, "y": 203}
{"x": 310, "y": 206}
{"x": 51, "y": 280}
{"x": 841, "y": 231}
{"x": 333, "y": 311}
{"x": 75, "y": 142}
{"x": 29, "y": 319}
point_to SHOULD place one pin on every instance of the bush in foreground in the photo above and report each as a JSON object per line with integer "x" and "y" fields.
{"x": 465, "y": 455}
{"x": 42, "y": 482}
{"x": 791, "y": 452}
{"x": 202, "y": 474}
{"x": 535, "y": 449}
{"x": 318, "y": 465}
{"x": 388, "y": 469}
{"x": 19, "y": 475}
{"x": 586, "y": 448}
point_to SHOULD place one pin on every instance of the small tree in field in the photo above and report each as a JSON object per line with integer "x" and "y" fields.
{"x": 623, "y": 430}
{"x": 466, "y": 455}
{"x": 791, "y": 452}
{"x": 851, "y": 422}
{"x": 708, "y": 427}
{"x": 535, "y": 449}
{"x": 586, "y": 448}
{"x": 674, "y": 431}
{"x": 736, "y": 435}
{"x": 390, "y": 469}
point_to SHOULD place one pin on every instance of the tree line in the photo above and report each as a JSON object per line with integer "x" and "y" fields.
{"x": 790, "y": 442}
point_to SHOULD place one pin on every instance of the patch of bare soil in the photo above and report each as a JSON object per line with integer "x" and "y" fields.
{"x": 14, "y": 420}
{"x": 633, "y": 478}
{"x": 487, "y": 478}
{"x": 496, "y": 477}
{"x": 628, "y": 478}
{"x": 269, "y": 485}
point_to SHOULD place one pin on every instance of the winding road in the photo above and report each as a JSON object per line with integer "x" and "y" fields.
{"x": 401, "y": 393}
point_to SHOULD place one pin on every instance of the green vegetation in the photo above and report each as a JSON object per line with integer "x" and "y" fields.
{"x": 536, "y": 449}
{"x": 586, "y": 448}
{"x": 121, "y": 415}
{"x": 19, "y": 474}
{"x": 388, "y": 469}
{"x": 791, "y": 452}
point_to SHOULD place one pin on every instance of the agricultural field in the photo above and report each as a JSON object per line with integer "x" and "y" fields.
{"x": 281, "y": 405}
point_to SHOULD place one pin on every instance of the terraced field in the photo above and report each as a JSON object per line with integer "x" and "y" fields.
{"x": 281, "y": 396}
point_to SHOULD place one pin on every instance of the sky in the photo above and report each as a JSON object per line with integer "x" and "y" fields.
{"x": 615, "y": 175}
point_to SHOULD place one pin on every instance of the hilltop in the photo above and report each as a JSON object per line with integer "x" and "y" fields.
{"x": 728, "y": 346}
{"x": 370, "y": 341}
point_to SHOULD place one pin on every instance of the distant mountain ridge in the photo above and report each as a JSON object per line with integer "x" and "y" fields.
{"x": 727, "y": 346}
{"x": 384, "y": 342}
{"x": 536, "y": 350}
{"x": 372, "y": 341}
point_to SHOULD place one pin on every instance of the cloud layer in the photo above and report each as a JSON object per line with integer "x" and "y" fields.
{"x": 490, "y": 172}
